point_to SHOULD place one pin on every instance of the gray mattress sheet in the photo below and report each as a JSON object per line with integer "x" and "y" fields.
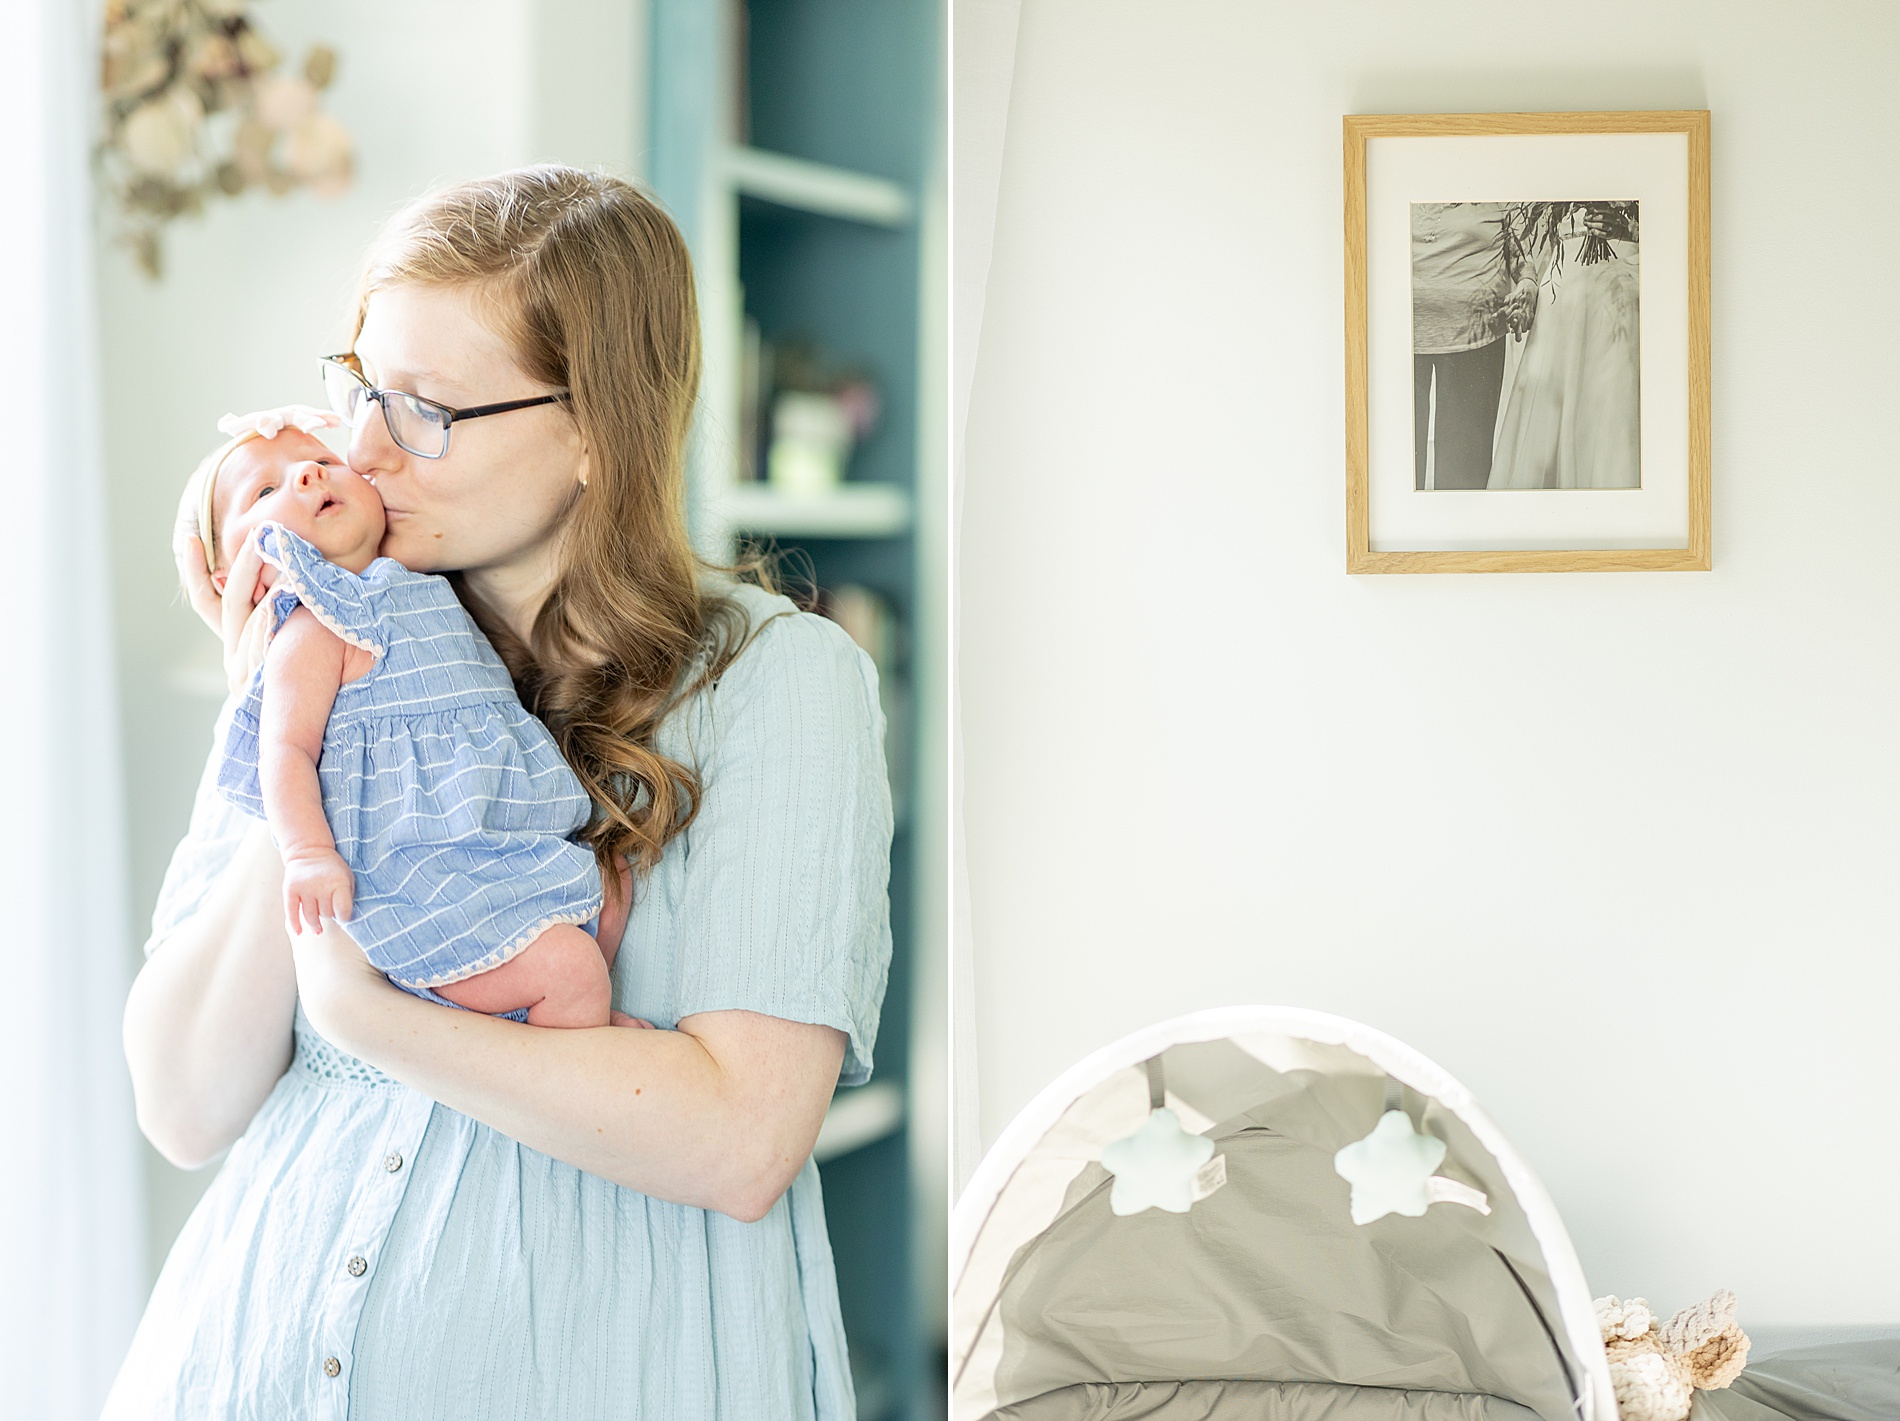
{"x": 1820, "y": 1374}
{"x": 1793, "y": 1374}
{"x": 1257, "y": 1401}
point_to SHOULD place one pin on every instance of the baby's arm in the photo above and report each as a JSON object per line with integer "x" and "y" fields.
{"x": 303, "y": 669}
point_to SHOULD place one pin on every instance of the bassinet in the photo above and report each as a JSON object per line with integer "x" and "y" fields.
{"x": 1264, "y": 1299}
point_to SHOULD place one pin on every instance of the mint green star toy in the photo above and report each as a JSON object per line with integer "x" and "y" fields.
{"x": 1391, "y": 1169}
{"x": 1154, "y": 1168}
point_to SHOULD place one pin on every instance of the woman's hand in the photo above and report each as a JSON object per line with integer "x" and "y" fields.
{"x": 1520, "y": 307}
{"x": 238, "y": 616}
{"x": 1611, "y": 223}
{"x": 232, "y": 615}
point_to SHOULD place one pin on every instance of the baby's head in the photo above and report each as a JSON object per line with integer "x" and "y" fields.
{"x": 293, "y": 479}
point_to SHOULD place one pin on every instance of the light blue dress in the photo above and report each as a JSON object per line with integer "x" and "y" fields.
{"x": 367, "y": 1253}
{"x": 449, "y": 802}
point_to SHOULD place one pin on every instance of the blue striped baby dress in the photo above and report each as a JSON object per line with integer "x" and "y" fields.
{"x": 450, "y": 803}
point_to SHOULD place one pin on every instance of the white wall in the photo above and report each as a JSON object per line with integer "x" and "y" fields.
{"x": 1617, "y": 850}
{"x": 433, "y": 91}
{"x": 588, "y": 87}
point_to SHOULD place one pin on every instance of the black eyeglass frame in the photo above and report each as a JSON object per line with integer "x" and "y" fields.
{"x": 449, "y": 414}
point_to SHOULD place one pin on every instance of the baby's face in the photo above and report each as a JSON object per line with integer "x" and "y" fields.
{"x": 295, "y": 480}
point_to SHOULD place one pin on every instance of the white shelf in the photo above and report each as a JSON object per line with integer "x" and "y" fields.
{"x": 852, "y": 510}
{"x": 814, "y": 187}
{"x": 857, "y": 1118}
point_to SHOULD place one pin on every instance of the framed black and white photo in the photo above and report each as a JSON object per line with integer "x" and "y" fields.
{"x": 1527, "y": 342}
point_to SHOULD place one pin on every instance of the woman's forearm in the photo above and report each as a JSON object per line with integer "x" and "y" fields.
{"x": 720, "y": 1114}
{"x": 208, "y": 1021}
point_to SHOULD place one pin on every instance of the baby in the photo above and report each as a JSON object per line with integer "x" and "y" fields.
{"x": 407, "y": 789}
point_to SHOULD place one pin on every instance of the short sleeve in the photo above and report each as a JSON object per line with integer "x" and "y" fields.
{"x": 217, "y": 828}
{"x": 785, "y": 896}
{"x": 334, "y": 595}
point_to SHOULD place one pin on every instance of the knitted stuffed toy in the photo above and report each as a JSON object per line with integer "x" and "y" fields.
{"x": 1656, "y": 1367}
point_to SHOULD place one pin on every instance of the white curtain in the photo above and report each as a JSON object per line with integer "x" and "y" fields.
{"x": 983, "y": 68}
{"x": 70, "y": 1191}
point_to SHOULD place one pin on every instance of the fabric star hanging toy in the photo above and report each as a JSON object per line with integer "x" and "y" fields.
{"x": 1391, "y": 1169}
{"x": 1655, "y": 1367}
{"x": 1155, "y": 1167}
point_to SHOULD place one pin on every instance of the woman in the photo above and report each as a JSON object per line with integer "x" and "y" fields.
{"x": 1571, "y": 415}
{"x": 432, "y": 1213}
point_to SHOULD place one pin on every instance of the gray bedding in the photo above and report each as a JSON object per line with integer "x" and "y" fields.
{"x": 1793, "y": 1375}
{"x": 1842, "y": 1374}
{"x": 1257, "y": 1401}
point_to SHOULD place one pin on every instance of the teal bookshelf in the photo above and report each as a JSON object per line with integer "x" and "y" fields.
{"x": 797, "y": 142}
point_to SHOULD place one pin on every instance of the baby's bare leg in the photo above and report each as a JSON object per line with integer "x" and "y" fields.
{"x": 560, "y": 978}
{"x": 613, "y": 916}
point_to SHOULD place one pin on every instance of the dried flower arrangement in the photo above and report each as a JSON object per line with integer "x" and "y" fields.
{"x": 1539, "y": 226}
{"x": 197, "y": 105}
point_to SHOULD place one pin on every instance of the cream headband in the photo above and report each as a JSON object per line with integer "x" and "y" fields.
{"x": 242, "y": 428}
{"x": 207, "y": 477}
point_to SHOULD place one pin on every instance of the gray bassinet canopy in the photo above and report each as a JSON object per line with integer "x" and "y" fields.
{"x": 1264, "y": 1299}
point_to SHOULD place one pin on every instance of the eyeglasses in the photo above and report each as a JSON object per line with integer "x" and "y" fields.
{"x": 417, "y": 425}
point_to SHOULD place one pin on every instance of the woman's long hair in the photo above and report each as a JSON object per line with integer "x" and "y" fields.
{"x": 592, "y": 286}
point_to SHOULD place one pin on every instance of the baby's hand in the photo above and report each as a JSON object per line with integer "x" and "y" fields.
{"x": 317, "y": 884}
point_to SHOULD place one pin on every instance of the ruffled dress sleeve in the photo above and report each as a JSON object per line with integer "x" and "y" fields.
{"x": 785, "y": 897}
{"x": 339, "y": 599}
{"x": 336, "y": 596}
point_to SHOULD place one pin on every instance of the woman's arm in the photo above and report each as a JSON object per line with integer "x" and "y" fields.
{"x": 207, "y": 1028}
{"x": 208, "y": 1021}
{"x": 719, "y": 1114}
{"x": 770, "y": 915}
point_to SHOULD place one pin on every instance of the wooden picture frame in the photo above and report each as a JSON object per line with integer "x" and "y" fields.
{"x": 1397, "y": 518}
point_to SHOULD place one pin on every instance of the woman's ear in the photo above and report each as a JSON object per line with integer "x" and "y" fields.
{"x": 218, "y": 580}
{"x": 584, "y": 466}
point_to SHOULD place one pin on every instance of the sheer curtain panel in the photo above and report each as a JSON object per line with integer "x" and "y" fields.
{"x": 69, "y": 1171}
{"x": 983, "y": 64}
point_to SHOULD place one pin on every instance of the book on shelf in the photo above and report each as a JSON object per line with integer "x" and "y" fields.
{"x": 867, "y": 617}
{"x": 739, "y": 71}
{"x": 755, "y": 377}
{"x": 802, "y": 413}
